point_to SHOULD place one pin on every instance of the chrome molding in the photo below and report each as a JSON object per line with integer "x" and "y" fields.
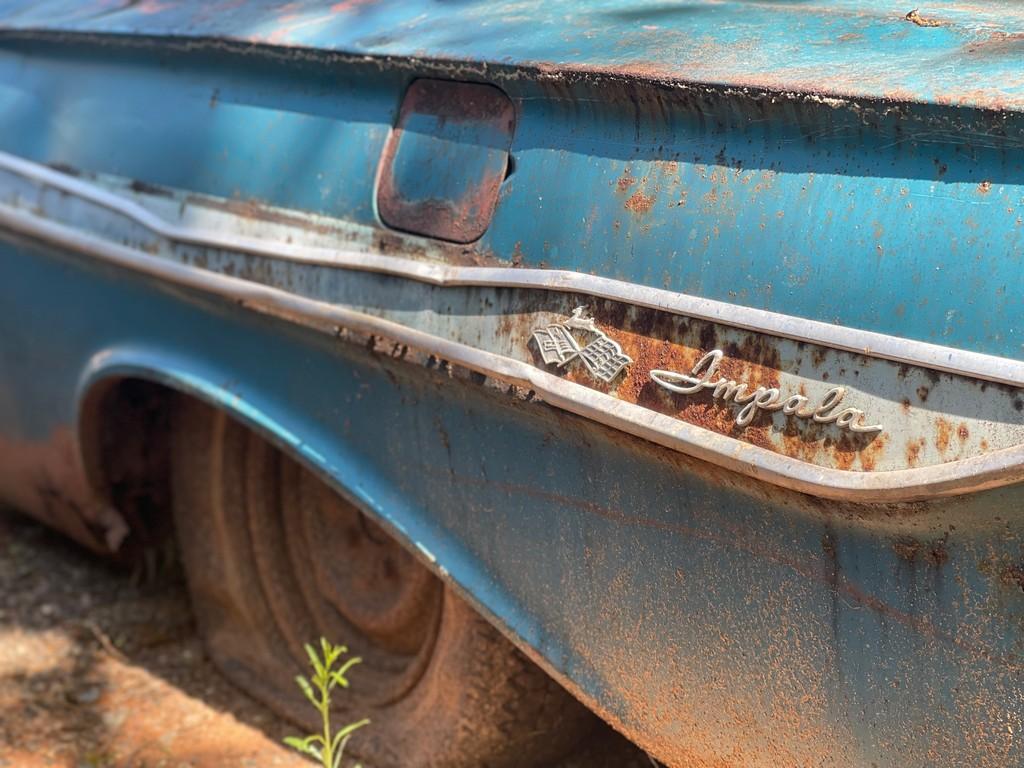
{"x": 997, "y": 468}
{"x": 976, "y": 365}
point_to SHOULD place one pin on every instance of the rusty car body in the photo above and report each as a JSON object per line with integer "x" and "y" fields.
{"x": 683, "y": 340}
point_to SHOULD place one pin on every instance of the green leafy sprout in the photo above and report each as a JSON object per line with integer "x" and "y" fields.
{"x": 327, "y": 747}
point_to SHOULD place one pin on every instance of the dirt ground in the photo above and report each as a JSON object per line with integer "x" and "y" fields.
{"x": 98, "y": 671}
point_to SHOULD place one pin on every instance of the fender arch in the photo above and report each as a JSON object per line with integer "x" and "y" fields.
{"x": 175, "y": 374}
{"x": 330, "y": 459}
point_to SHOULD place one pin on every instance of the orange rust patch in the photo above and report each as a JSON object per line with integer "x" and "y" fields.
{"x": 923, "y": 21}
{"x": 870, "y": 454}
{"x": 655, "y": 341}
{"x": 985, "y": 187}
{"x": 943, "y": 433}
{"x": 804, "y": 445}
{"x": 753, "y": 360}
{"x": 914, "y": 451}
{"x": 625, "y": 182}
{"x": 640, "y": 203}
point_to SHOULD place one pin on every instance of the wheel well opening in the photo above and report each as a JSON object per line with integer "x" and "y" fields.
{"x": 124, "y": 434}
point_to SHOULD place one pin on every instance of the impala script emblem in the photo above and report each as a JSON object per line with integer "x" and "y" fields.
{"x": 761, "y": 399}
{"x": 559, "y": 345}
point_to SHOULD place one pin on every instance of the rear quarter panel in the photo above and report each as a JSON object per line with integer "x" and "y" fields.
{"x": 715, "y": 619}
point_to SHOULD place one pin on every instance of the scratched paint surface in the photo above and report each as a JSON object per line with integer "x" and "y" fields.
{"x": 718, "y": 622}
{"x": 837, "y": 162}
{"x": 963, "y": 53}
{"x": 927, "y": 418}
{"x": 902, "y": 219}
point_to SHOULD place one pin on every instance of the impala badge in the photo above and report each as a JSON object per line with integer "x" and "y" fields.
{"x": 763, "y": 398}
{"x": 559, "y": 345}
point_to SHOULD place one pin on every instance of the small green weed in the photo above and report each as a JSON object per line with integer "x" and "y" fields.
{"x": 326, "y": 747}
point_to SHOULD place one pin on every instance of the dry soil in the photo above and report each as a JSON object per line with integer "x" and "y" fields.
{"x": 100, "y": 670}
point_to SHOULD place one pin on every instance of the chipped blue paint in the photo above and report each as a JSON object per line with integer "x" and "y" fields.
{"x": 862, "y": 214}
{"x": 638, "y": 577}
{"x": 833, "y": 161}
{"x": 843, "y": 47}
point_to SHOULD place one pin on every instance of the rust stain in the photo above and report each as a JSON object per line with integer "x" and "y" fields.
{"x": 251, "y": 209}
{"x": 657, "y": 700}
{"x": 943, "y": 433}
{"x": 1013, "y": 576}
{"x": 907, "y": 549}
{"x": 999, "y": 43}
{"x": 913, "y": 452}
{"x": 910, "y": 550}
{"x": 985, "y": 187}
{"x": 639, "y": 203}
{"x": 655, "y": 341}
{"x": 870, "y": 453}
{"x": 936, "y": 554}
{"x": 923, "y": 21}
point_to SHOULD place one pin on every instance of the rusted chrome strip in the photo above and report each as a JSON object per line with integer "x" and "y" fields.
{"x": 968, "y": 475}
{"x": 901, "y": 350}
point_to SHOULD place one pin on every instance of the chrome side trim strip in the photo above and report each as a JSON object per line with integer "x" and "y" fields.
{"x": 973, "y": 474}
{"x": 976, "y": 365}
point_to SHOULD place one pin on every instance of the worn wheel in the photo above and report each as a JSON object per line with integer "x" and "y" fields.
{"x": 274, "y": 559}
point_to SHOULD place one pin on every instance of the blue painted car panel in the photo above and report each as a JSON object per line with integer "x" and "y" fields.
{"x": 709, "y": 616}
{"x": 961, "y": 53}
{"x": 700, "y": 613}
{"x": 861, "y": 215}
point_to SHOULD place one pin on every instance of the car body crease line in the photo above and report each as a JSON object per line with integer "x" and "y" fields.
{"x": 998, "y": 468}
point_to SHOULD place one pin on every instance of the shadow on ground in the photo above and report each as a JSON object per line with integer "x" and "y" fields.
{"x": 100, "y": 671}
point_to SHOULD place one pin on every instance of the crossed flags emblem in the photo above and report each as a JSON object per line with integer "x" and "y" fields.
{"x": 602, "y": 356}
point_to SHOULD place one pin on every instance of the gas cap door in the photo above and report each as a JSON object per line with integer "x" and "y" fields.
{"x": 445, "y": 160}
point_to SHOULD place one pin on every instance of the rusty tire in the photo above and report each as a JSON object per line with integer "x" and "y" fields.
{"x": 441, "y": 686}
